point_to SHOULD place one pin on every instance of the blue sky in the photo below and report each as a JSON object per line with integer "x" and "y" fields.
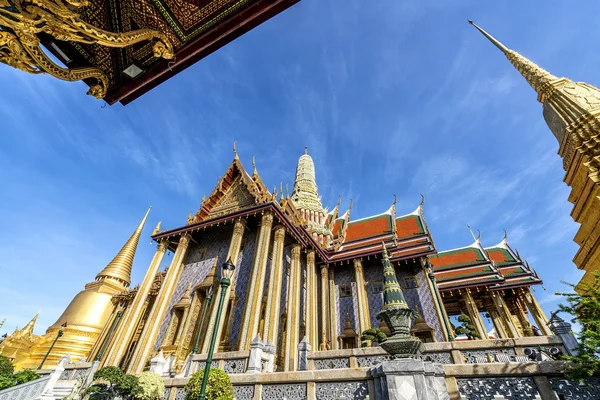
{"x": 392, "y": 97}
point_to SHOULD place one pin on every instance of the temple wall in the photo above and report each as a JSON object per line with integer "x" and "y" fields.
{"x": 345, "y": 276}
{"x": 212, "y": 243}
{"x": 374, "y": 272}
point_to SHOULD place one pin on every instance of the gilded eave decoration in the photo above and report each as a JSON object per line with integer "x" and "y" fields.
{"x": 23, "y": 21}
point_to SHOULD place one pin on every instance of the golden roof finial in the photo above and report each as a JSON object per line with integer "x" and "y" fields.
{"x": 235, "y": 152}
{"x": 203, "y": 198}
{"x": 120, "y": 266}
{"x": 28, "y": 329}
{"x": 492, "y": 39}
{"x": 287, "y": 193}
{"x": 157, "y": 229}
{"x": 470, "y": 230}
{"x": 254, "y": 165}
{"x": 505, "y": 234}
{"x": 339, "y": 201}
{"x": 395, "y": 200}
{"x": 351, "y": 204}
{"x": 422, "y": 201}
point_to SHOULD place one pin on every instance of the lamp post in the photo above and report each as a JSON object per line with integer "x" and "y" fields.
{"x": 228, "y": 269}
{"x": 59, "y": 334}
{"x": 207, "y": 301}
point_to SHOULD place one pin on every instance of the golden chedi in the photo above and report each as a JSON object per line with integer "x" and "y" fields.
{"x": 83, "y": 319}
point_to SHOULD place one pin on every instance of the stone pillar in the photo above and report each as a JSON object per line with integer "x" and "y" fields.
{"x": 157, "y": 314}
{"x": 293, "y": 312}
{"x": 303, "y": 350}
{"x": 536, "y": 312}
{"x": 272, "y": 315}
{"x": 256, "y": 355}
{"x": 474, "y": 314}
{"x": 409, "y": 379}
{"x": 364, "y": 318}
{"x": 134, "y": 312}
{"x": 232, "y": 254}
{"x": 333, "y": 330}
{"x": 325, "y": 340}
{"x": 562, "y": 329}
{"x": 311, "y": 300}
{"x": 504, "y": 315}
{"x": 251, "y": 321}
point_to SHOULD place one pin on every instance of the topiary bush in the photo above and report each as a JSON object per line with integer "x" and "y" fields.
{"x": 6, "y": 366}
{"x": 112, "y": 383}
{"x": 219, "y": 385}
{"x": 152, "y": 386}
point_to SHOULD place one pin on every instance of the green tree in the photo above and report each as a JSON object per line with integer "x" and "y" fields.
{"x": 6, "y": 366}
{"x": 467, "y": 328}
{"x": 152, "y": 386}
{"x": 219, "y": 385}
{"x": 584, "y": 307}
{"x": 374, "y": 335}
{"x": 25, "y": 376}
{"x": 111, "y": 383}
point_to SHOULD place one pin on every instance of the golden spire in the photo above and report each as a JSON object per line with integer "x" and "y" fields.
{"x": 120, "y": 266}
{"x": 157, "y": 229}
{"x": 235, "y": 152}
{"x": 254, "y": 165}
{"x": 305, "y": 193}
{"x": 27, "y": 331}
{"x": 538, "y": 78}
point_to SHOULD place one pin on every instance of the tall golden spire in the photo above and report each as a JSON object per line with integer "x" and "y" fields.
{"x": 27, "y": 331}
{"x": 538, "y": 78}
{"x": 120, "y": 266}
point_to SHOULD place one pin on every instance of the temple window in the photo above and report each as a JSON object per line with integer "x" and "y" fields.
{"x": 410, "y": 282}
{"x": 345, "y": 290}
{"x": 376, "y": 287}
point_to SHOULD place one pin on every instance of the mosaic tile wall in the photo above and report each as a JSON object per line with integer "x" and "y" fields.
{"x": 419, "y": 298}
{"x": 344, "y": 275}
{"x": 242, "y": 277}
{"x": 198, "y": 263}
{"x": 374, "y": 272}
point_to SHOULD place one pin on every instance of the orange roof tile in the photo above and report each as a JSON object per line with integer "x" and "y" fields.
{"x": 459, "y": 257}
{"x": 408, "y": 226}
{"x": 369, "y": 227}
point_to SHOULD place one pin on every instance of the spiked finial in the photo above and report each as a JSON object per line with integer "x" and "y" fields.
{"x": 505, "y": 234}
{"x": 422, "y": 201}
{"x": 470, "y": 230}
{"x": 120, "y": 266}
{"x": 392, "y": 293}
{"x": 157, "y": 229}
{"x": 305, "y": 149}
{"x": 235, "y": 152}
{"x": 492, "y": 39}
{"x": 395, "y": 200}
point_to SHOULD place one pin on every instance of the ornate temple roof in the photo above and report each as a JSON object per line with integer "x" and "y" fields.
{"x": 496, "y": 267}
{"x": 195, "y": 28}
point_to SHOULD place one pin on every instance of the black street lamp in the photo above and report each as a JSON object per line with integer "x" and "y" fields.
{"x": 228, "y": 269}
{"x": 59, "y": 334}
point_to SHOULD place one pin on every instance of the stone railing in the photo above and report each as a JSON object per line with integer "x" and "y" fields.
{"x": 233, "y": 362}
{"x": 26, "y": 391}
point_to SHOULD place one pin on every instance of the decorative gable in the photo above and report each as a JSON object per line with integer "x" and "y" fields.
{"x": 235, "y": 198}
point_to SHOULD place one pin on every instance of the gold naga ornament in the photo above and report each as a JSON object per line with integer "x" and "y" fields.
{"x": 22, "y": 20}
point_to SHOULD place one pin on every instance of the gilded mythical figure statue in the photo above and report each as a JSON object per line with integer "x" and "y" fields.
{"x": 22, "y": 20}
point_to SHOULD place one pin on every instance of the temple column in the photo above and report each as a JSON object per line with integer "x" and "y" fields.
{"x": 437, "y": 301}
{"x": 521, "y": 312}
{"x": 256, "y": 285}
{"x": 364, "y": 319}
{"x": 293, "y": 312}
{"x": 325, "y": 318}
{"x": 504, "y": 315}
{"x": 474, "y": 314}
{"x": 536, "y": 312}
{"x": 498, "y": 325}
{"x": 232, "y": 254}
{"x": 136, "y": 309}
{"x": 311, "y": 300}
{"x": 157, "y": 314}
{"x": 333, "y": 330}
{"x": 273, "y": 313}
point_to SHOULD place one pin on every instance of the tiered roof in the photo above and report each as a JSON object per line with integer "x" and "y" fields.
{"x": 497, "y": 267}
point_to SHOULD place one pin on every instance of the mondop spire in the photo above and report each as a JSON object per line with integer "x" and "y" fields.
{"x": 120, "y": 266}
{"x": 305, "y": 193}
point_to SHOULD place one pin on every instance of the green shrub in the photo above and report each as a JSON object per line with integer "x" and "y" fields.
{"x": 152, "y": 386}
{"x": 219, "y": 386}
{"x": 6, "y": 366}
{"x": 25, "y": 376}
{"x": 7, "y": 381}
{"x": 111, "y": 382}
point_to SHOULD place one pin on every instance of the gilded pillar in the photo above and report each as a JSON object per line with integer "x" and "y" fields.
{"x": 272, "y": 315}
{"x": 536, "y": 312}
{"x": 437, "y": 301}
{"x": 333, "y": 330}
{"x": 364, "y": 319}
{"x": 521, "y": 312}
{"x": 157, "y": 314}
{"x": 474, "y": 314}
{"x": 497, "y": 321}
{"x": 256, "y": 285}
{"x": 311, "y": 301}
{"x": 232, "y": 254}
{"x": 293, "y": 313}
{"x": 504, "y": 315}
{"x": 136, "y": 309}
{"x": 325, "y": 318}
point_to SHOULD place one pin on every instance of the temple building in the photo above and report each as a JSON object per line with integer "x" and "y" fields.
{"x": 301, "y": 272}
{"x": 572, "y": 112}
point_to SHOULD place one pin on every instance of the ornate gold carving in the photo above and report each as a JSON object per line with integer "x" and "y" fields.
{"x": 22, "y": 20}
{"x": 235, "y": 198}
{"x": 296, "y": 251}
